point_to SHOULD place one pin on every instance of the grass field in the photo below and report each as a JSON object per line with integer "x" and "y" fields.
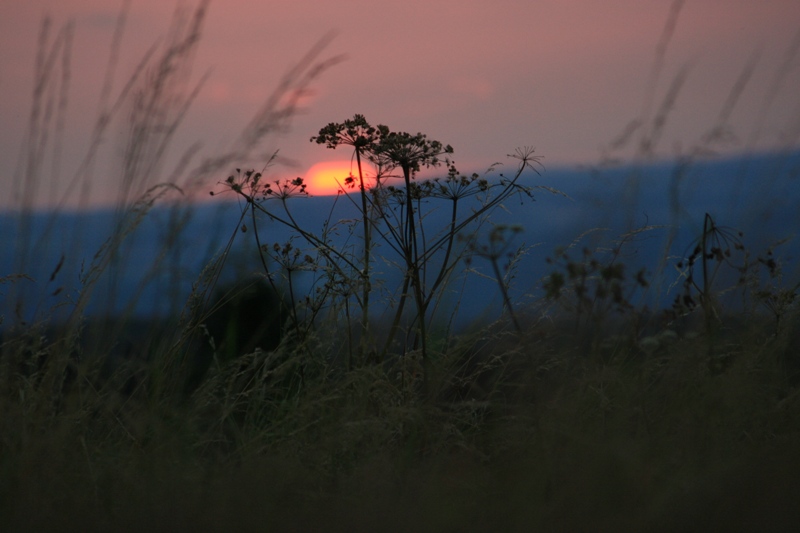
{"x": 520, "y": 432}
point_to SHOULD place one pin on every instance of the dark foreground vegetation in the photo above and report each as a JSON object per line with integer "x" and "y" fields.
{"x": 516, "y": 432}
{"x": 357, "y": 404}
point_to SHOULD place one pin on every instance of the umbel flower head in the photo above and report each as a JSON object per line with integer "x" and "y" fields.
{"x": 385, "y": 148}
{"x": 409, "y": 152}
{"x": 355, "y": 132}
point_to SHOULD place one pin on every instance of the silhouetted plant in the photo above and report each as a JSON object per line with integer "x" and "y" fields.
{"x": 705, "y": 279}
{"x": 716, "y": 246}
{"x": 594, "y": 287}
{"x": 772, "y": 293}
{"x": 363, "y": 138}
{"x": 394, "y": 216}
{"x": 497, "y": 247}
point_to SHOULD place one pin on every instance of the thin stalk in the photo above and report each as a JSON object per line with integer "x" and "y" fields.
{"x": 504, "y": 292}
{"x": 365, "y": 273}
{"x": 504, "y": 194}
{"x": 451, "y": 235}
{"x": 325, "y": 249}
{"x": 706, "y": 231}
{"x": 397, "y": 317}
{"x": 412, "y": 262}
{"x": 293, "y": 310}
{"x": 706, "y": 297}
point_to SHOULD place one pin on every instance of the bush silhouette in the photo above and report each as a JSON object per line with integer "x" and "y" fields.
{"x": 244, "y": 316}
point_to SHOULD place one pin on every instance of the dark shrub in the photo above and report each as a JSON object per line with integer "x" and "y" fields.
{"x": 243, "y": 316}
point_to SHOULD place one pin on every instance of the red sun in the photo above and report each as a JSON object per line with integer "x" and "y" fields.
{"x": 330, "y": 177}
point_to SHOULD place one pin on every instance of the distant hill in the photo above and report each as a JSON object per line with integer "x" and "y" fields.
{"x": 153, "y": 273}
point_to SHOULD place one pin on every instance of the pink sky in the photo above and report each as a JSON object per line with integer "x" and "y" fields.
{"x": 485, "y": 77}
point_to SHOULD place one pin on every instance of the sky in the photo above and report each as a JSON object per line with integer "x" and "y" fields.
{"x": 565, "y": 77}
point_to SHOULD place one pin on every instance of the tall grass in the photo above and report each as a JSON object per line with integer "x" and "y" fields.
{"x": 586, "y": 411}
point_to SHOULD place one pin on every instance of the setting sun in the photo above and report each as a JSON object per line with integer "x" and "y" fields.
{"x": 328, "y": 178}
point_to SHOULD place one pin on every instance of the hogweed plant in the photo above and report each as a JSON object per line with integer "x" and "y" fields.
{"x": 392, "y": 218}
{"x": 363, "y": 139}
{"x": 498, "y": 246}
{"x": 597, "y": 285}
{"x": 701, "y": 272}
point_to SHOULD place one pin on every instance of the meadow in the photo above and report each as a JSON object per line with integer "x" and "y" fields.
{"x": 324, "y": 382}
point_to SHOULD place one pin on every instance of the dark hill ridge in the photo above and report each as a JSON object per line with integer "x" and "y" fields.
{"x": 159, "y": 261}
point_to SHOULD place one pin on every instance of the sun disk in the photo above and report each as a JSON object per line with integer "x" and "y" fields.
{"x": 329, "y": 177}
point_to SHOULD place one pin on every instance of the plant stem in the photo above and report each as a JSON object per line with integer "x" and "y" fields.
{"x": 412, "y": 264}
{"x": 504, "y": 292}
{"x": 365, "y": 272}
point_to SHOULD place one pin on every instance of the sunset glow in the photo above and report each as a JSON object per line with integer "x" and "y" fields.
{"x": 328, "y": 178}
{"x": 571, "y": 89}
